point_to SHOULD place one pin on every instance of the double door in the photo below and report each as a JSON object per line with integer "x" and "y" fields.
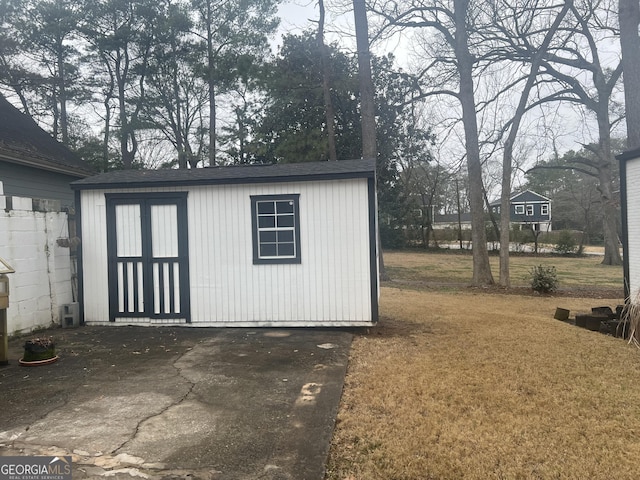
{"x": 148, "y": 257}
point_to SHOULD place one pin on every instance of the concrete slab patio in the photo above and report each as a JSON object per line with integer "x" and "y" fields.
{"x": 165, "y": 403}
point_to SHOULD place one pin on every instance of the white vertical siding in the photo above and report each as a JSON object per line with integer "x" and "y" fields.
{"x": 94, "y": 256}
{"x": 332, "y": 282}
{"x": 633, "y": 226}
{"x": 331, "y": 285}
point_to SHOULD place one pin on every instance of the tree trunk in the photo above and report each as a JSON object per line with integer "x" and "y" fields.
{"x": 605, "y": 186}
{"x": 610, "y": 218}
{"x": 107, "y": 133}
{"x": 507, "y": 159}
{"x": 182, "y": 157}
{"x": 459, "y": 213}
{"x": 125, "y": 126}
{"x": 212, "y": 123}
{"x": 367, "y": 96}
{"x": 62, "y": 95}
{"x": 505, "y": 220}
{"x": 494, "y": 224}
{"x": 629, "y": 11}
{"x": 211, "y": 78}
{"x": 367, "y": 100}
{"x": 481, "y": 267}
{"x": 326, "y": 87}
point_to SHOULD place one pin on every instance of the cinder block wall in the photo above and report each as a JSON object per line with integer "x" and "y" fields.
{"x": 29, "y": 229}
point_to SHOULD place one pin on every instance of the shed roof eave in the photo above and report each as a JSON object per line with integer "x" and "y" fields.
{"x": 225, "y": 176}
{"x": 200, "y": 182}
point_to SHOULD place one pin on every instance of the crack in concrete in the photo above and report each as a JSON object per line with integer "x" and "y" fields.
{"x": 65, "y": 401}
{"x": 164, "y": 410}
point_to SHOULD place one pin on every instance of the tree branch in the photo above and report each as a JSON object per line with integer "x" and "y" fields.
{"x": 561, "y": 167}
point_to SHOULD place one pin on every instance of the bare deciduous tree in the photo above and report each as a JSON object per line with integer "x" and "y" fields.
{"x": 579, "y": 65}
{"x": 509, "y": 24}
{"x": 122, "y": 35}
{"x": 453, "y": 23}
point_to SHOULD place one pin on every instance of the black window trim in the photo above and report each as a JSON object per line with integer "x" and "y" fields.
{"x": 295, "y": 198}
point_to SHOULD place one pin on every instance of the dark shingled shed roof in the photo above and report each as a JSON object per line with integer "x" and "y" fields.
{"x": 282, "y": 172}
{"x": 629, "y": 155}
{"x": 23, "y": 142}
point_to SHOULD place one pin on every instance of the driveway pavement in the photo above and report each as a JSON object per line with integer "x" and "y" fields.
{"x": 169, "y": 403}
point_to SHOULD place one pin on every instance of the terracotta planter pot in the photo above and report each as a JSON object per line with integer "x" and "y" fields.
{"x": 36, "y": 351}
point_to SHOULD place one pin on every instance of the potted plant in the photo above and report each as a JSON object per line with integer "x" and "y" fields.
{"x": 39, "y": 351}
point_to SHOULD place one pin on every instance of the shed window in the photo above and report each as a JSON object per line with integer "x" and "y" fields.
{"x": 276, "y": 229}
{"x": 519, "y": 209}
{"x": 529, "y": 210}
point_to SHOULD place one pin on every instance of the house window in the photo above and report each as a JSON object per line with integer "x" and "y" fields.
{"x": 276, "y": 229}
{"x": 519, "y": 209}
{"x": 544, "y": 209}
{"x": 529, "y": 210}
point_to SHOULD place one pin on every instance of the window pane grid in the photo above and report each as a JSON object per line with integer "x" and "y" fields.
{"x": 276, "y": 229}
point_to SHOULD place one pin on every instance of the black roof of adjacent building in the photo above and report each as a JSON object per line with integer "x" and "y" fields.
{"x": 23, "y": 142}
{"x": 237, "y": 174}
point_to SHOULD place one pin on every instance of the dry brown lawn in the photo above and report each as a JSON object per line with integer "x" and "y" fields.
{"x": 461, "y": 384}
{"x": 455, "y": 267}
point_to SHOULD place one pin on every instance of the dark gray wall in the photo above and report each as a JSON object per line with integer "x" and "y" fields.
{"x": 537, "y": 216}
{"x": 24, "y": 181}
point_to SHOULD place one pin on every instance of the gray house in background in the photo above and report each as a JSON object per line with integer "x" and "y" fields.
{"x": 529, "y": 210}
{"x": 32, "y": 163}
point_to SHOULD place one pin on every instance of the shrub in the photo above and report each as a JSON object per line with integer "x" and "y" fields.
{"x": 566, "y": 243}
{"x": 543, "y": 279}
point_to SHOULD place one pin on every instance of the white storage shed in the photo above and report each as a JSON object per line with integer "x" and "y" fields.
{"x": 261, "y": 245}
{"x": 629, "y": 203}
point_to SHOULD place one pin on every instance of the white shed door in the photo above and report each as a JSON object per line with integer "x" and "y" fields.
{"x": 147, "y": 257}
